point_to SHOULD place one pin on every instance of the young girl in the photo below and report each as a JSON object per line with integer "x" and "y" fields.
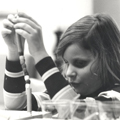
{"x": 90, "y": 52}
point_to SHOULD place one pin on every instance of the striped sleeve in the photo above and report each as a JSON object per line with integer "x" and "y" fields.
{"x": 14, "y": 80}
{"x": 108, "y": 96}
{"x": 14, "y": 87}
{"x": 57, "y": 86}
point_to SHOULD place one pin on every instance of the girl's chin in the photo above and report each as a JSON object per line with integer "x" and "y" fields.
{"x": 81, "y": 92}
{"x": 79, "y": 89}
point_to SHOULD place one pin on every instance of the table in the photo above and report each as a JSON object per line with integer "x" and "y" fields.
{"x": 22, "y": 115}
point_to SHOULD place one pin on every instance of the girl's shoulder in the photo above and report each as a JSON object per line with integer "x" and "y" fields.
{"x": 113, "y": 94}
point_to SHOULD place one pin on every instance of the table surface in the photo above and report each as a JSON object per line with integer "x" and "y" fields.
{"x": 24, "y": 115}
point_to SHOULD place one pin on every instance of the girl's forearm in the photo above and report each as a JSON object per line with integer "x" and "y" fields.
{"x": 12, "y": 55}
{"x": 38, "y": 56}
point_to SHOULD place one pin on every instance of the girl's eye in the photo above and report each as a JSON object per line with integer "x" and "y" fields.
{"x": 66, "y": 62}
{"x": 80, "y": 63}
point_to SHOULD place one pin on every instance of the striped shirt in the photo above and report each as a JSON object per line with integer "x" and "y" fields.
{"x": 57, "y": 87}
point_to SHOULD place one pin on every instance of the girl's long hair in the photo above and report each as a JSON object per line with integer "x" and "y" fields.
{"x": 99, "y": 34}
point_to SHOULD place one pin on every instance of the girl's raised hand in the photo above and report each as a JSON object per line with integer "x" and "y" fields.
{"x": 9, "y": 36}
{"x": 28, "y": 28}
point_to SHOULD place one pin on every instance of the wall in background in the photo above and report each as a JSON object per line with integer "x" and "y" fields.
{"x": 50, "y": 14}
{"x": 111, "y": 7}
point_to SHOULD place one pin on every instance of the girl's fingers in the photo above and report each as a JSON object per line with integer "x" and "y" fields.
{"x": 5, "y": 31}
{"x": 24, "y": 27}
{"x": 23, "y": 33}
{"x": 7, "y": 24}
{"x": 21, "y": 14}
{"x": 25, "y": 20}
{"x": 11, "y": 17}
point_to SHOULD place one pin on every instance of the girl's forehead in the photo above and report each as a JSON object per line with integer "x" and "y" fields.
{"x": 76, "y": 51}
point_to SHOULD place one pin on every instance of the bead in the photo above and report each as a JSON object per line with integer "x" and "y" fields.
{"x": 27, "y": 81}
{"x": 26, "y": 77}
{"x": 23, "y": 65}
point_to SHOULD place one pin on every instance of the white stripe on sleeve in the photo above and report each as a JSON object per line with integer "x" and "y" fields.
{"x": 16, "y": 101}
{"x": 65, "y": 93}
{"x": 49, "y": 73}
{"x": 14, "y": 75}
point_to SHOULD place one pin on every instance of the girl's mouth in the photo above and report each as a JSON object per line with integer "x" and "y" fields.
{"x": 75, "y": 85}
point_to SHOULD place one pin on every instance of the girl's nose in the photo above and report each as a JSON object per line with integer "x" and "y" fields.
{"x": 70, "y": 73}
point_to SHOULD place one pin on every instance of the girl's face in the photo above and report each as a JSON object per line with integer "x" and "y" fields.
{"x": 80, "y": 70}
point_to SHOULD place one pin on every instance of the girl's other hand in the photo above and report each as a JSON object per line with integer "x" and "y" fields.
{"x": 9, "y": 36}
